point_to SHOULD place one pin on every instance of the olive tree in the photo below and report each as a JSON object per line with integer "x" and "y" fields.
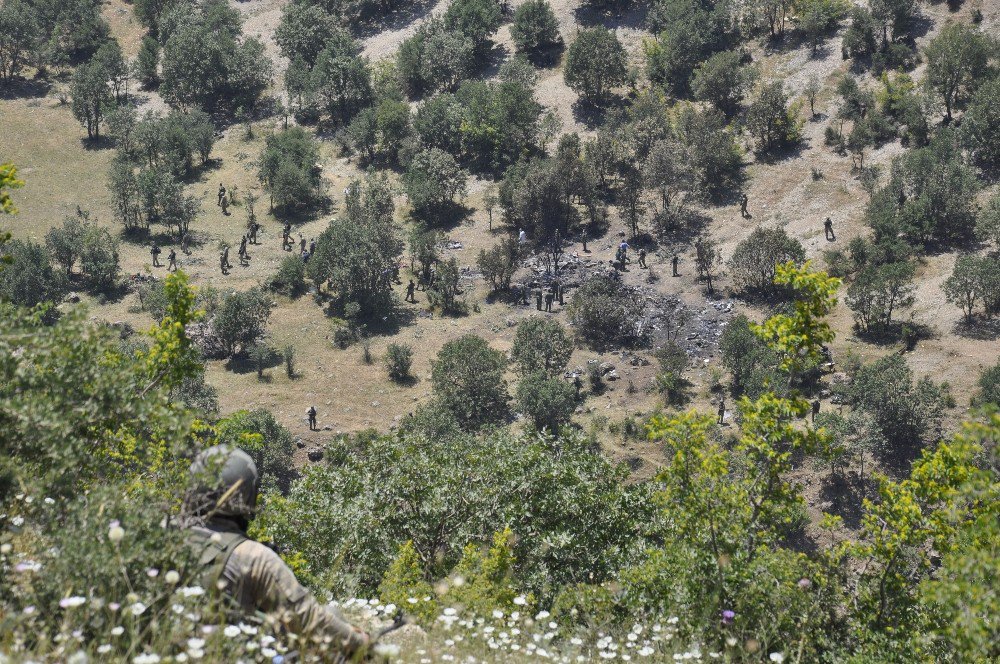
{"x": 771, "y": 120}
{"x": 433, "y": 180}
{"x": 241, "y": 320}
{"x": 879, "y": 291}
{"x": 606, "y": 312}
{"x": 549, "y": 402}
{"x": 19, "y": 36}
{"x": 289, "y": 168}
{"x": 957, "y": 62}
{"x": 754, "y": 259}
{"x": 535, "y": 27}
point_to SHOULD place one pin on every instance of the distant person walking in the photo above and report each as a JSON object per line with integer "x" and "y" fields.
{"x": 722, "y": 410}
{"x": 311, "y": 414}
{"x": 828, "y": 230}
{"x": 221, "y": 196}
{"x": 154, "y": 251}
{"x": 673, "y": 265}
{"x": 172, "y": 260}
{"x": 743, "y": 206}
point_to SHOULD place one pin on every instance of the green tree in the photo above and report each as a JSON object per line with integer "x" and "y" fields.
{"x": 971, "y": 281}
{"x": 606, "y": 312}
{"x": 687, "y": 33}
{"x": 444, "y": 290}
{"x": 341, "y": 80}
{"x": 290, "y": 279}
{"x": 99, "y": 259}
{"x": 595, "y": 63}
{"x": 356, "y": 254}
{"x": 754, "y": 366}
{"x": 957, "y": 62}
{"x": 19, "y": 37}
{"x": 65, "y": 242}
{"x": 28, "y": 279}
{"x": 241, "y": 320}
{"x": 468, "y": 379}
{"x": 305, "y": 31}
{"x": 548, "y": 402}
{"x": 535, "y": 27}
{"x": 499, "y": 263}
{"x": 988, "y": 222}
{"x": 91, "y": 97}
{"x": 500, "y": 123}
{"x": 438, "y": 123}
{"x": 879, "y": 291}
{"x": 723, "y": 81}
{"x": 398, "y": 360}
{"x": 434, "y": 59}
{"x": 989, "y": 386}
{"x": 476, "y": 19}
{"x": 981, "y": 125}
{"x": 268, "y": 443}
{"x": 433, "y": 180}
{"x": 542, "y": 346}
{"x": 147, "y": 63}
{"x": 755, "y": 259}
{"x": 289, "y": 168}
{"x": 772, "y": 121}
{"x": 710, "y": 151}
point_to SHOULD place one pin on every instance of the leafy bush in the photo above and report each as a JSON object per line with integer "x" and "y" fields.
{"x": 879, "y": 291}
{"x": 754, "y": 259}
{"x": 753, "y": 365}
{"x": 64, "y": 242}
{"x": 541, "y": 345}
{"x": 595, "y": 63}
{"x": 433, "y": 180}
{"x": 289, "y": 168}
{"x": 606, "y": 312}
{"x": 772, "y": 121}
{"x": 723, "y": 81}
{"x": 242, "y": 320}
{"x": 989, "y": 386}
{"x": 975, "y": 279}
{"x": 535, "y": 26}
{"x": 499, "y": 263}
{"x": 398, "y": 359}
{"x": 99, "y": 259}
{"x": 548, "y": 402}
{"x": 468, "y": 379}
{"x": 344, "y": 516}
{"x": 29, "y": 279}
{"x": 290, "y": 279}
{"x": 434, "y": 59}
{"x": 271, "y": 445}
{"x": 476, "y": 19}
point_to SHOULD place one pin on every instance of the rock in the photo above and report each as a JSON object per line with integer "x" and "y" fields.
{"x": 510, "y": 322}
{"x": 125, "y": 330}
{"x": 315, "y": 455}
{"x": 606, "y": 368}
{"x": 612, "y": 375}
{"x": 72, "y": 297}
{"x": 300, "y": 443}
{"x": 375, "y": 404}
{"x": 327, "y": 427}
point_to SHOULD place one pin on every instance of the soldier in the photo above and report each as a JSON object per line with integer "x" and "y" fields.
{"x": 538, "y": 299}
{"x": 186, "y": 242}
{"x": 154, "y": 251}
{"x": 674, "y": 263}
{"x": 828, "y": 229}
{"x": 815, "y": 409}
{"x": 722, "y": 410}
{"x": 410, "y": 296}
{"x": 312, "y": 247}
{"x": 642, "y": 258}
{"x": 743, "y": 206}
{"x": 548, "y": 300}
{"x": 243, "y": 247}
{"x": 623, "y": 249}
{"x": 311, "y": 413}
{"x": 172, "y": 260}
{"x": 302, "y": 244}
{"x": 560, "y": 292}
{"x": 577, "y": 384}
{"x": 221, "y": 196}
{"x": 254, "y": 227}
{"x": 286, "y": 237}
{"x": 217, "y": 512}
{"x": 222, "y": 263}
{"x": 225, "y": 205}
{"x": 584, "y": 237}
{"x": 225, "y": 256}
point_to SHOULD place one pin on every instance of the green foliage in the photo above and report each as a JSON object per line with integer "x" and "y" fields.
{"x": 981, "y": 125}
{"x": 548, "y": 402}
{"x": 357, "y": 252}
{"x": 476, "y": 19}
{"x": 289, "y": 169}
{"x": 753, "y": 365}
{"x": 755, "y": 259}
{"x": 91, "y": 97}
{"x": 346, "y": 518}
{"x": 242, "y": 319}
{"x": 435, "y": 58}
{"x": 772, "y": 121}
{"x": 798, "y": 336}
{"x": 206, "y": 62}
{"x": 989, "y": 386}
{"x": 861, "y": 38}
{"x": 340, "y": 80}
{"x": 709, "y": 148}
{"x": 468, "y": 379}
{"x": 535, "y": 27}
{"x": 606, "y": 312}
{"x": 595, "y": 63}
{"x": 974, "y": 279}
{"x": 723, "y": 81}
{"x": 19, "y": 37}
{"x": 877, "y": 292}
{"x": 398, "y": 360}
{"x": 500, "y": 123}
{"x": 99, "y": 259}
{"x": 147, "y": 63}
{"x": 688, "y": 33}
{"x": 541, "y": 345}
{"x": 404, "y": 581}
{"x": 673, "y": 360}
{"x": 28, "y": 279}
{"x": 487, "y": 577}
{"x": 819, "y": 17}
{"x": 433, "y": 180}
{"x": 438, "y": 123}
{"x": 268, "y": 443}
{"x": 535, "y": 197}
{"x": 306, "y": 29}
{"x": 444, "y": 290}
{"x": 957, "y": 62}
{"x": 290, "y": 279}
{"x": 65, "y": 242}
{"x": 906, "y": 413}
{"x": 499, "y": 263}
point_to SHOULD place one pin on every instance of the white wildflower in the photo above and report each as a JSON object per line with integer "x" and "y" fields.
{"x": 450, "y": 611}
{"x": 385, "y": 650}
{"x": 730, "y": 641}
{"x": 646, "y": 651}
{"x": 117, "y": 631}
{"x": 542, "y": 615}
{"x": 498, "y": 614}
{"x": 104, "y": 649}
{"x": 777, "y": 657}
{"x": 6, "y": 548}
{"x": 231, "y": 631}
{"x": 195, "y": 644}
{"x": 71, "y": 602}
{"x": 520, "y": 600}
{"x": 191, "y": 591}
{"x": 270, "y": 653}
{"x": 49, "y": 501}
{"x": 79, "y": 657}
{"x": 138, "y": 609}
{"x": 17, "y": 521}
{"x": 146, "y": 658}
{"x": 115, "y": 534}
{"x": 249, "y": 630}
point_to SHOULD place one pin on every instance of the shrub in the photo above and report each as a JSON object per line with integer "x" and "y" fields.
{"x": 64, "y": 242}
{"x": 879, "y": 291}
{"x": 535, "y": 27}
{"x": 772, "y": 121}
{"x": 468, "y": 379}
{"x": 270, "y": 445}
{"x": 753, "y": 365}
{"x": 241, "y": 320}
{"x": 754, "y": 259}
{"x": 433, "y": 180}
{"x": 29, "y": 279}
{"x": 989, "y": 386}
{"x": 548, "y": 402}
{"x": 476, "y": 19}
{"x": 542, "y": 346}
{"x": 606, "y": 312}
{"x": 288, "y": 355}
{"x": 147, "y": 63}
{"x": 289, "y": 168}
{"x": 499, "y": 263}
{"x": 290, "y": 279}
{"x": 99, "y": 259}
{"x": 723, "y": 81}
{"x": 398, "y": 359}
{"x": 595, "y": 63}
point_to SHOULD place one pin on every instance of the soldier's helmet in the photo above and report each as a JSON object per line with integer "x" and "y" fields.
{"x": 226, "y": 483}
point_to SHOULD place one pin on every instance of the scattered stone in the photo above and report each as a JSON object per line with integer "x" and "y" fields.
{"x": 606, "y": 368}
{"x": 635, "y": 463}
{"x": 327, "y": 428}
{"x": 612, "y": 375}
{"x": 72, "y": 297}
{"x": 299, "y": 443}
{"x": 315, "y": 455}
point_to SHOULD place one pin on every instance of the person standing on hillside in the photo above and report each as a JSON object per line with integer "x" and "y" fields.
{"x": 172, "y": 260}
{"x": 828, "y": 230}
{"x": 311, "y": 414}
{"x": 154, "y": 251}
{"x": 221, "y": 195}
{"x": 743, "y": 206}
{"x": 217, "y": 513}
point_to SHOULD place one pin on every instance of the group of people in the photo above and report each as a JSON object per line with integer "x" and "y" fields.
{"x": 155, "y": 251}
